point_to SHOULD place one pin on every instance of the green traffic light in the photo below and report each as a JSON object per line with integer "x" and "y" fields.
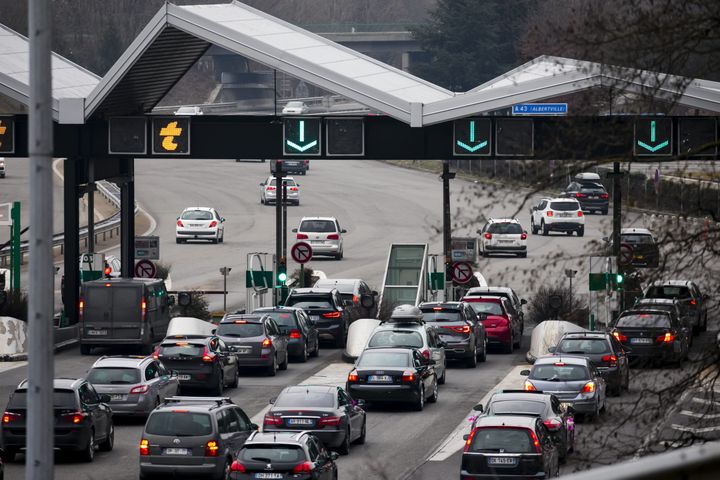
{"x": 282, "y": 276}
{"x": 619, "y": 278}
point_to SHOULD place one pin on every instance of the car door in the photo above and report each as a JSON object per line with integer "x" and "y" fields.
{"x": 345, "y": 405}
{"x": 312, "y": 333}
{"x": 238, "y": 428}
{"x": 151, "y": 374}
{"x": 437, "y": 353}
{"x": 619, "y": 352}
{"x": 320, "y": 457}
{"x": 98, "y": 412}
{"x": 170, "y": 383}
{"x": 279, "y": 339}
{"x": 472, "y": 320}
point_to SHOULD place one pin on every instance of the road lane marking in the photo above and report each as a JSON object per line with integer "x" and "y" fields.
{"x": 705, "y": 401}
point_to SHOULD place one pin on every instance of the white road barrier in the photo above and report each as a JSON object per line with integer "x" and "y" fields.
{"x": 13, "y": 336}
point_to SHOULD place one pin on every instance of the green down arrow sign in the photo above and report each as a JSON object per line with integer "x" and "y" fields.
{"x": 301, "y": 136}
{"x": 655, "y": 146}
{"x": 472, "y": 137}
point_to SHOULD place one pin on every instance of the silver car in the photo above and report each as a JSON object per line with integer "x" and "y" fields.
{"x": 323, "y": 234}
{"x": 269, "y": 191}
{"x": 136, "y": 385}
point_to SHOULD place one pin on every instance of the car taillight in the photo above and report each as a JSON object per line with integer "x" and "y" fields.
{"x": 270, "y": 189}
{"x": 523, "y": 236}
{"x": 667, "y": 337}
{"x": 213, "y": 224}
{"x": 237, "y": 467}
{"x": 580, "y": 195}
{"x": 353, "y": 376}
{"x": 619, "y": 336}
{"x": 580, "y": 214}
{"x": 212, "y": 448}
{"x": 267, "y": 343}
{"x": 301, "y": 236}
{"x": 140, "y": 389}
{"x": 207, "y": 356}
{"x": 611, "y": 359}
{"x": 459, "y": 329}
{"x": 408, "y": 376}
{"x": 144, "y": 447}
{"x": 305, "y": 467}
{"x": 589, "y": 387}
{"x": 333, "y": 236}
{"x": 528, "y": 386}
{"x": 75, "y": 417}
{"x": 356, "y": 300}
{"x": 156, "y": 353}
{"x": 332, "y": 315}
{"x": 294, "y": 333}
{"x": 81, "y": 308}
{"x": 143, "y": 309}
{"x": 271, "y": 419}
{"x": 329, "y": 421}
{"x": 604, "y": 196}
{"x": 693, "y": 302}
{"x": 536, "y": 442}
{"x": 550, "y": 213}
{"x": 293, "y": 189}
{"x": 488, "y": 236}
{"x": 469, "y": 440}
{"x": 426, "y": 354}
{"x": 9, "y": 417}
{"x": 180, "y": 224}
{"x": 552, "y": 424}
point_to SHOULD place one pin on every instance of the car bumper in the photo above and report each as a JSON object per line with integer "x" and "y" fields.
{"x": 290, "y": 198}
{"x": 464, "y": 475}
{"x": 255, "y": 361}
{"x": 325, "y": 248}
{"x": 65, "y": 439}
{"x": 199, "y": 380}
{"x": 295, "y": 347}
{"x": 100, "y": 341}
{"x": 497, "y": 336}
{"x": 506, "y": 248}
{"x": 329, "y": 332}
{"x": 195, "y": 233}
{"x": 141, "y": 407}
{"x": 564, "y": 226}
{"x": 384, "y": 393}
{"x": 330, "y": 438}
{"x": 454, "y": 351}
{"x": 159, "y": 465}
{"x": 598, "y": 204}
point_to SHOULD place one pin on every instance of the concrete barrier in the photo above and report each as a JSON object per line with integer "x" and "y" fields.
{"x": 13, "y": 337}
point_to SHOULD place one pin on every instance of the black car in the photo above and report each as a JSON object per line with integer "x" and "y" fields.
{"x": 289, "y": 166}
{"x": 328, "y": 412}
{"x": 591, "y": 196}
{"x": 692, "y": 301}
{"x": 324, "y": 306}
{"x": 256, "y": 340}
{"x": 509, "y": 447}
{"x": 652, "y": 335}
{"x": 558, "y": 418}
{"x": 194, "y": 437}
{"x": 460, "y": 330}
{"x": 303, "y": 336}
{"x": 393, "y": 375}
{"x": 296, "y": 455}
{"x": 604, "y": 351}
{"x": 645, "y": 249}
{"x": 200, "y": 362}
{"x": 357, "y": 296}
{"x": 670, "y": 305}
{"x": 83, "y": 419}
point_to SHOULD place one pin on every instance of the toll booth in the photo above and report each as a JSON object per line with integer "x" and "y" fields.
{"x": 405, "y": 279}
{"x": 464, "y": 249}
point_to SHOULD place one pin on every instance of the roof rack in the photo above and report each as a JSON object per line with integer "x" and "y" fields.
{"x": 218, "y": 400}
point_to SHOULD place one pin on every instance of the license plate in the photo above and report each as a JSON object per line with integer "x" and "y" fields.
{"x": 97, "y": 332}
{"x": 641, "y": 340}
{"x": 268, "y": 475}
{"x": 502, "y": 461}
{"x": 242, "y": 350}
{"x": 593, "y": 197}
{"x": 315, "y": 318}
{"x": 380, "y": 378}
{"x": 183, "y": 377}
{"x": 175, "y": 451}
{"x": 564, "y": 215}
{"x": 117, "y": 396}
{"x": 300, "y": 421}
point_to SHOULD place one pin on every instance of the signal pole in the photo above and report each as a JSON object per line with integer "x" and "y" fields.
{"x": 447, "y": 227}
{"x": 280, "y": 258}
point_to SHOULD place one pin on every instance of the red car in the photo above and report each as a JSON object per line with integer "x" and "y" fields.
{"x": 503, "y": 328}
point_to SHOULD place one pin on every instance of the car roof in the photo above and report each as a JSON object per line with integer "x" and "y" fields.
{"x": 506, "y": 421}
{"x": 123, "y": 281}
{"x": 332, "y": 219}
{"x": 60, "y": 382}
{"x": 388, "y": 349}
{"x": 636, "y": 311}
{"x": 273, "y": 309}
{"x": 399, "y": 326}
{"x": 602, "y": 335}
{"x": 635, "y": 230}
{"x": 337, "y": 281}
{"x": 656, "y": 301}
{"x": 490, "y": 289}
{"x": 529, "y": 397}
{"x": 204, "y": 209}
{"x": 279, "y": 437}
{"x": 310, "y": 388}
{"x": 503, "y": 220}
{"x": 564, "y": 358}
{"x": 242, "y": 316}
{"x": 312, "y": 290}
{"x": 562, "y": 199}
{"x": 121, "y": 361}
{"x": 440, "y": 304}
{"x": 494, "y": 298}
{"x": 673, "y": 283}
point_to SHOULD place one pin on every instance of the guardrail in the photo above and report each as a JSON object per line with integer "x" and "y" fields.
{"x": 103, "y": 229}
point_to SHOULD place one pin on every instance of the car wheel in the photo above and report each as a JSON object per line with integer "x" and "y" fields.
{"x": 509, "y": 346}
{"x": 272, "y": 369}
{"x": 533, "y": 228}
{"x": 581, "y": 231}
{"x": 109, "y": 442}
{"x": 339, "y": 256}
{"x": 9, "y": 455}
{"x": 483, "y": 352}
{"x": 222, "y": 237}
{"x": 471, "y": 361}
{"x": 236, "y": 378}
{"x": 361, "y": 439}
{"x": 316, "y": 352}
{"x": 284, "y": 364}
{"x": 626, "y": 383}
{"x": 569, "y": 234}
{"x": 434, "y": 397}
{"x": 88, "y": 454}
{"x": 420, "y": 403}
{"x": 85, "y": 349}
{"x": 545, "y": 229}
{"x": 441, "y": 380}
{"x": 304, "y": 355}
{"x": 177, "y": 240}
{"x": 344, "y": 447}
{"x": 219, "y": 386}
{"x": 523, "y": 255}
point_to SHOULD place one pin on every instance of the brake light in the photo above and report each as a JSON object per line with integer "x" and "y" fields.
{"x": 559, "y": 364}
{"x": 619, "y": 336}
{"x": 333, "y": 236}
{"x": 294, "y": 333}
{"x": 528, "y": 386}
{"x": 271, "y": 419}
{"x": 469, "y": 440}
{"x": 459, "y": 329}
{"x": 580, "y": 214}
{"x": 612, "y": 359}
{"x": 143, "y": 309}
{"x": 329, "y": 421}
{"x": 356, "y": 299}
{"x": 408, "y": 376}
{"x": 81, "y": 308}
{"x": 156, "y": 353}
{"x": 604, "y": 196}
{"x": 9, "y": 417}
{"x": 666, "y": 338}
{"x": 180, "y": 224}
{"x": 536, "y": 442}
{"x": 353, "y": 376}
{"x": 140, "y": 389}
{"x": 552, "y": 424}
{"x": 589, "y": 387}
{"x": 240, "y": 322}
{"x": 550, "y": 213}
{"x": 237, "y": 467}
{"x": 270, "y": 189}
{"x": 693, "y": 302}
{"x": 580, "y": 195}
{"x": 305, "y": 467}
{"x": 76, "y": 417}
{"x": 301, "y": 236}
{"x": 523, "y": 236}
{"x": 488, "y": 236}
{"x": 426, "y": 354}
{"x": 144, "y": 447}
{"x": 332, "y": 315}
{"x": 293, "y": 189}
{"x": 106, "y": 272}
{"x": 437, "y": 309}
{"x": 207, "y": 356}
{"x": 213, "y": 224}
{"x": 267, "y": 343}
{"x": 211, "y": 449}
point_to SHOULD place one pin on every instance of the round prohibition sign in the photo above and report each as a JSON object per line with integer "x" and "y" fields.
{"x": 301, "y": 252}
{"x": 145, "y": 269}
{"x": 462, "y": 272}
{"x": 627, "y": 254}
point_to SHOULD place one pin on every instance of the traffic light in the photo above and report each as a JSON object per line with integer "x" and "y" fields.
{"x": 618, "y": 280}
{"x": 107, "y": 270}
{"x": 281, "y": 275}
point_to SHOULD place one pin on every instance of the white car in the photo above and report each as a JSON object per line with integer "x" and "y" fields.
{"x": 323, "y": 234}
{"x": 269, "y": 191}
{"x": 295, "y": 108}
{"x": 503, "y": 235}
{"x": 200, "y": 223}
{"x": 558, "y": 215}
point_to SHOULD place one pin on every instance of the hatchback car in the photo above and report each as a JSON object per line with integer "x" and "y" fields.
{"x": 256, "y": 341}
{"x": 200, "y": 362}
{"x": 303, "y": 336}
{"x": 327, "y": 412}
{"x": 509, "y": 447}
{"x": 557, "y": 215}
{"x": 515, "y": 301}
{"x": 393, "y": 375}
{"x": 200, "y": 223}
{"x": 503, "y": 235}
{"x": 194, "y": 437}
{"x": 652, "y": 335}
{"x": 572, "y": 379}
{"x": 591, "y": 195}
{"x": 357, "y": 296}
{"x": 692, "y": 300}
{"x": 83, "y": 419}
{"x": 502, "y": 325}
{"x": 463, "y": 336}
{"x": 136, "y": 385}
{"x": 324, "y": 307}
{"x": 323, "y": 234}
{"x": 296, "y": 455}
{"x": 645, "y": 249}
{"x": 269, "y": 191}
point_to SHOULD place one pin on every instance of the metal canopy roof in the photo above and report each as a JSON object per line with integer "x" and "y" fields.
{"x": 68, "y": 79}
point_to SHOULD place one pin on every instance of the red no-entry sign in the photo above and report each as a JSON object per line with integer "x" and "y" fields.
{"x": 301, "y": 252}
{"x": 145, "y": 269}
{"x": 462, "y": 272}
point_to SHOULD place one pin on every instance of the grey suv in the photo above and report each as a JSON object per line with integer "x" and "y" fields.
{"x": 256, "y": 340}
{"x": 193, "y": 436}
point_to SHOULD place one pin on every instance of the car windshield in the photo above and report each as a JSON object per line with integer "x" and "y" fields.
{"x": 317, "y": 226}
{"x": 637, "y": 239}
{"x": 182, "y": 349}
{"x": 559, "y": 372}
{"x": 309, "y": 301}
{"x": 179, "y": 424}
{"x": 432, "y": 315}
{"x": 61, "y": 399}
{"x": 644, "y": 320}
{"x": 197, "y": 215}
{"x": 396, "y": 338}
{"x": 505, "y": 228}
{"x": 516, "y": 407}
{"x": 285, "y": 319}
{"x": 564, "y": 206}
{"x": 288, "y": 181}
{"x": 240, "y": 330}
{"x": 114, "y": 376}
{"x": 502, "y": 439}
{"x": 668, "y": 291}
{"x": 583, "y": 345}
{"x": 272, "y": 454}
{"x": 306, "y": 399}
{"x": 488, "y": 308}
{"x": 371, "y": 359}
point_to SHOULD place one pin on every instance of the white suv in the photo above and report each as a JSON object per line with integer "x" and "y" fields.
{"x": 503, "y": 235}
{"x": 200, "y": 223}
{"x": 557, "y": 214}
{"x": 323, "y": 234}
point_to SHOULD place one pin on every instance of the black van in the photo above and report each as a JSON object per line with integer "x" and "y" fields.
{"x": 123, "y": 311}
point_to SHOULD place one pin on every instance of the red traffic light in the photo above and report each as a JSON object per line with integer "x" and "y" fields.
{"x": 107, "y": 270}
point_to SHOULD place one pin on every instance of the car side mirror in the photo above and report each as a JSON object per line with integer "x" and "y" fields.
{"x": 334, "y": 456}
{"x": 465, "y": 437}
{"x": 524, "y": 373}
{"x": 104, "y": 398}
{"x": 482, "y": 316}
{"x": 272, "y": 400}
{"x": 254, "y": 426}
{"x": 222, "y": 219}
{"x": 552, "y": 349}
{"x": 294, "y": 230}
{"x": 478, "y": 407}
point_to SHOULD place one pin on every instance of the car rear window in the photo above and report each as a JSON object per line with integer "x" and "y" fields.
{"x": 288, "y": 182}
{"x": 489, "y": 308}
{"x": 114, "y": 376}
{"x": 505, "y": 228}
{"x": 371, "y": 359}
{"x": 318, "y": 226}
{"x": 306, "y": 399}
{"x": 272, "y": 454}
{"x": 668, "y": 291}
{"x": 432, "y": 315}
{"x": 343, "y": 288}
{"x": 502, "y": 439}
{"x": 240, "y": 330}
{"x": 61, "y": 399}
{"x": 517, "y": 407}
{"x": 583, "y": 346}
{"x": 282, "y": 318}
{"x": 559, "y": 372}
{"x": 637, "y": 239}
{"x": 644, "y": 320}
{"x": 396, "y": 338}
{"x": 593, "y": 188}
{"x": 179, "y": 424}
{"x": 309, "y": 301}
{"x": 182, "y": 349}
{"x": 564, "y": 206}
{"x": 197, "y": 215}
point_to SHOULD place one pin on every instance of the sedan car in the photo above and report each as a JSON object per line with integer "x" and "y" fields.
{"x": 503, "y": 235}
{"x": 573, "y": 380}
{"x": 327, "y": 412}
{"x": 303, "y": 336}
{"x": 652, "y": 335}
{"x": 256, "y": 341}
{"x": 324, "y": 307}
{"x": 591, "y": 195}
{"x": 393, "y": 375}
{"x": 295, "y": 108}
{"x": 457, "y": 324}
{"x": 200, "y": 223}
{"x": 269, "y": 191}
{"x": 136, "y": 385}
